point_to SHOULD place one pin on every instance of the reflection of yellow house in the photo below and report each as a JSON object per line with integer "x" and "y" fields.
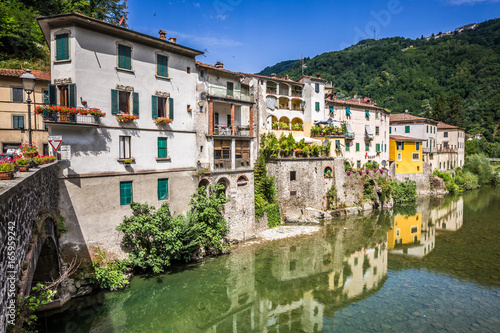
{"x": 407, "y": 230}
{"x": 406, "y": 153}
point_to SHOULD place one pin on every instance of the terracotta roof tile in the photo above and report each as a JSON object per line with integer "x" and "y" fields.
{"x": 202, "y": 64}
{"x": 403, "y": 138}
{"x": 39, "y": 75}
{"x": 354, "y": 102}
{"x": 447, "y": 126}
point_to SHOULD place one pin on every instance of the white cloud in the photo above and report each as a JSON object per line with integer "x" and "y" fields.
{"x": 196, "y": 4}
{"x": 468, "y": 2}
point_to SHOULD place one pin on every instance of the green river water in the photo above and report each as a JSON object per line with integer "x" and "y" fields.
{"x": 435, "y": 268}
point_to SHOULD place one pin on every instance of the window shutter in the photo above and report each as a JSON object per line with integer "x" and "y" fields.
{"x": 367, "y": 114}
{"x": 171, "y": 108}
{"x": 125, "y": 193}
{"x": 331, "y": 109}
{"x": 114, "y": 101}
{"x": 52, "y": 94}
{"x": 135, "y": 103}
{"x": 162, "y": 147}
{"x": 72, "y": 95}
{"x": 162, "y": 189}
{"x": 316, "y": 88}
{"x": 65, "y": 46}
{"x": 216, "y": 118}
{"x": 347, "y": 112}
{"x": 46, "y": 99}
{"x": 154, "y": 106}
{"x": 58, "y": 47}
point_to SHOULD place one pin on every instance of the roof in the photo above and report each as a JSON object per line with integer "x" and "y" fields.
{"x": 47, "y": 23}
{"x": 202, "y": 64}
{"x": 39, "y": 75}
{"x": 312, "y": 78}
{"x": 354, "y": 102}
{"x": 403, "y": 138}
{"x": 406, "y": 117}
{"x": 448, "y": 126}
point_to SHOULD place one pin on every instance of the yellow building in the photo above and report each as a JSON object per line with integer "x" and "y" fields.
{"x": 14, "y": 110}
{"x": 407, "y": 230}
{"x": 406, "y": 153}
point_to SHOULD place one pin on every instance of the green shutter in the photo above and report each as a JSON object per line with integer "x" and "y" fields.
{"x": 331, "y": 109}
{"x": 154, "y": 106}
{"x": 52, "y": 94}
{"x": 125, "y": 193}
{"x": 357, "y": 146}
{"x": 46, "y": 98}
{"x": 377, "y": 147}
{"x": 162, "y": 65}
{"x": 162, "y": 147}
{"x": 367, "y": 114}
{"x": 367, "y": 146}
{"x": 427, "y": 128}
{"x": 135, "y": 103}
{"x": 317, "y": 106}
{"x": 407, "y": 129}
{"x": 62, "y": 47}
{"x": 171, "y": 108}
{"x": 385, "y": 147}
{"x": 347, "y": 146}
{"x": 347, "y": 112}
{"x": 216, "y": 118}
{"x": 72, "y": 95}
{"x": 162, "y": 189}
{"x": 390, "y": 130}
{"x": 230, "y": 89}
{"x": 114, "y": 101}
{"x": 316, "y": 87}
{"x": 124, "y": 57}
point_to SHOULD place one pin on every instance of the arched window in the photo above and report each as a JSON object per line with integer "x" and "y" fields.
{"x": 242, "y": 181}
{"x": 328, "y": 172}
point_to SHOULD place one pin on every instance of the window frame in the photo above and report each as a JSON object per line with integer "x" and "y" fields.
{"x": 293, "y": 175}
{"x": 60, "y": 33}
{"x": 122, "y": 147}
{"x": 124, "y": 197}
{"x": 14, "y": 116}
{"x": 165, "y": 190}
{"x": 317, "y": 106}
{"x": 13, "y": 95}
{"x": 400, "y": 156}
{"x": 400, "y": 145}
{"x": 413, "y": 157}
{"x": 224, "y": 152}
{"x": 124, "y": 44}
{"x": 377, "y": 130}
{"x": 157, "y": 57}
{"x": 417, "y": 146}
{"x": 162, "y": 149}
{"x": 407, "y": 129}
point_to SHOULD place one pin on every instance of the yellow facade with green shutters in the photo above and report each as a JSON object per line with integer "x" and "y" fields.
{"x": 407, "y": 156}
{"x": 407, "y": 230}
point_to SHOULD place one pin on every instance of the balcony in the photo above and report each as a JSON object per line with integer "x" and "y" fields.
{"x": 349, "y": 136}
{"x": 224, "y": 92}
{"x": 66, "y": 115}
{"x": 429, "y": 150}
{"x": 226, "y": 130}
{"x": 447, "y": 149}
{"x": 296, "y": 93}
{"x": 271, "y": 90}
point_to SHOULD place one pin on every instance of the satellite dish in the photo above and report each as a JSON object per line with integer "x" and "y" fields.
{"x": 384, "y": 162}
{"x": 325, "y": 143}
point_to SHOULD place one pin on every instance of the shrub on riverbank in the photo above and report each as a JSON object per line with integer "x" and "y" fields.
{"x": 108, "y": 274}
{"x": 265, "y": 194}
{"x": 156, "y": 238}
{"x": 404, "y": 193}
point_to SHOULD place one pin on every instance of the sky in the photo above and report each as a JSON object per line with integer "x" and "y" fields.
{"x": 249, "y": 35}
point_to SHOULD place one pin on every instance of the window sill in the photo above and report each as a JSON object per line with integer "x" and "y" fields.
{"x": 163, "y": 159}
{"x": 125, "y": 70}
{"x": 122, "y": 160}
{"x": 62, "y": 61}
{"x": 163, "y": 77}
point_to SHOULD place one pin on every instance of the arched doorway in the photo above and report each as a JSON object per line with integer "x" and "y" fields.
{"x": 225, "y": 182}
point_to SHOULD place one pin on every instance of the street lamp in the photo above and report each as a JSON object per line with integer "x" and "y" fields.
{"x": 29, "y": 87}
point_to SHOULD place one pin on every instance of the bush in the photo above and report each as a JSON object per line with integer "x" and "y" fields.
{"x": 443, "y": 175}
{"x": 386, "y": 187}
{"x": 273, "y": 215}
{"x": 404, "y": 193}
{"x": 467, "y": 180}
{"x": 480, "y": 165}
{"x": 109, "y": 274}
{"x": 347, "y": 166}
{"x": 452, "y": 187}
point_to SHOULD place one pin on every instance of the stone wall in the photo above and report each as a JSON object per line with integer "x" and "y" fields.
{"x": 299, "y": 197}
{"x": 21, "y": 199}
{"x": 422, "y": 179}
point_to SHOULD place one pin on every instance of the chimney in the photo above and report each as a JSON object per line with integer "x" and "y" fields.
{"x": 163, "y": 34}
{"x": 173, "y": 40}
{"x": 219, "y": 65}
{"x": 273, "y": 74}
{"x": 318, "y": 76}
{"x": 287, "y": 77}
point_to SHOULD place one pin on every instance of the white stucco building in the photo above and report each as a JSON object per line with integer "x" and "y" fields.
{"x": 451, "y": 146}
{"x": 123, "y": 73}
{"x": 367, "y": 129}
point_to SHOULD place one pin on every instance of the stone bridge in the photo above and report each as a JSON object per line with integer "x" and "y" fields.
{"x": 29, "y": 250}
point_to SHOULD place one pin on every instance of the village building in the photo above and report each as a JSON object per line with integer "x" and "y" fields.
{"x": 14, "y": 110}
{"x": 406, "y": 152}
{"x": 451, "y": 146}
{"x": 419, "y": 128}
{"x": 366, "y": 129}
{"x": 145, "y": 147}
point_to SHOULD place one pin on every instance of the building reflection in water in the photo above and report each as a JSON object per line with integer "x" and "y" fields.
{"x": 449, "y": 216}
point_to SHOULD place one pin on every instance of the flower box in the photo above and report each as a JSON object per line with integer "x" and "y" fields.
{"x": 125, "y": 117}
{"x": 46, "y": 110}
{"x": 6, "y": 175}
{"x": 162, "y": 121}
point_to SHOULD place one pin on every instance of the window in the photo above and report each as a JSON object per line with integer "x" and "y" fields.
{"x": 124, "y": 57}
{"x": 445, "y": 134}
{"x": 230, "y": 89}
{"x": 293, "y": 193}
{"x": 316, "y": 87}
{"x": 124, "y": 147}
{"x": 390, "y": 130}
{"x": 400, "y": 145}
{"x": 348, "y": 112}
{"x": 124, "y": 102}
{"x": 242, "y": 149}
{"x": 337, "y": 144}
{"x": 293, "y": 175}
{"x": 376, "y": 115}
{"x": 125, "y": 193}
{"x": 161, "y": 65}
{"x": 357, "y": 146}
{"x": 358, "y": 164}
{"x": 377, "y": 147}
{"x": 228, "y": 118}
{"x": 331, "y": 110}
{"x": 188, "y": 70}
{"x": 417, "y": 145}
{"x": 385, "y": 147}
{"x": 163, "y": 189}
{"x": 367, "y": 146}
{"x": 414, "y": 229}
{"x": 162, "y": 147}
{"x": 317, "y": 106}
{"x": 347, "y": 146}
{"x": 376, "y": 130}
{"x": 161, "y": 107}
{"x": 62, "y": 47}
{"x": 18, "y": 122}
{"x": 398, "y": 232}
{"x": 427, "y": 128}
{"x": 222, "y": 150}
{"x": 400, "y": 156}
{"x": 17, "y": 94}
{"x": 407, "y": 129}
{"x": 415, "y": 157}
{"x": 367, "y": 114}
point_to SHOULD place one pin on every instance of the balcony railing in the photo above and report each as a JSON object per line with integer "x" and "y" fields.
{"x": 271, "y": 90}
{"x": 429, "y": 150}
{"x": 77, "y": 119}
{"x": 447, "y": 149}
{"x": 297, "y": 93}
{"x": 222, "y": 91}
{"x": 227, "y": 131}
{"x": 350, "y": 136}
{"x": 368, "y": 136}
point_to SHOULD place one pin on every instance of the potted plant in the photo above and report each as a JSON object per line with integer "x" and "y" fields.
{"x": 23, "y": 164}
{"x": 127, "y": 161}
{"x": 162, "y": 121}
{"x": 125, "y": 117}
{"x": 27, "y": 151}
{"x": 7, "y": 169}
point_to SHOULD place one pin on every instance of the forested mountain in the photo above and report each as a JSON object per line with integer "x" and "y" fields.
{"x": 442, "y": 78}
{"x": 21, "y": 41}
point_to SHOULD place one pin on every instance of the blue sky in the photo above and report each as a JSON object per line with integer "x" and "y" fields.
{"x": 249, "y": 35}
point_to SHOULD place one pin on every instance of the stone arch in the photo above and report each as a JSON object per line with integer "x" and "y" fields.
{"x": 225, "y": 182}
{"x": 285, "y": 120}
{"x": 242, "y": 181}
{"x": 47, "y": 268}
{"x": 204, "y": 182}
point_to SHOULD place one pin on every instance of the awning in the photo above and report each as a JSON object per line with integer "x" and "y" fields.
{"x": 306, "y": 139}
{"x": 326, "y": 121}
{"x": 368, "y": 132}
{"x": 372, "y": 155}
{"x": 349, "y": 129}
